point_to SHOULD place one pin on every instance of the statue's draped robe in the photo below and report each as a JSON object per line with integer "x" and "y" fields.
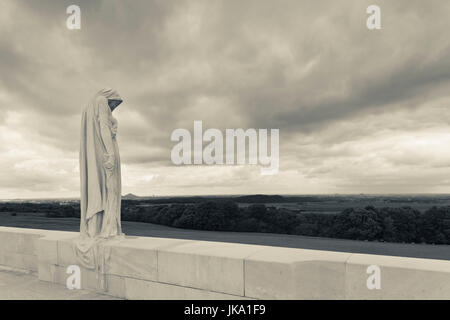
{"x": 100, "y": 178}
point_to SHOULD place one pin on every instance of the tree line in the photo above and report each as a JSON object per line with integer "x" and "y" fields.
{"x": 388, "y": 224}
{"x": 405, "y": 224}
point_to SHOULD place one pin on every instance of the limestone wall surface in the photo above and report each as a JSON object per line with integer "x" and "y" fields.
{"x": 160, "y": 268}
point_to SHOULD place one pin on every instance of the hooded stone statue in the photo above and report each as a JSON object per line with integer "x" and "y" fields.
{"x": 100, "y": 175}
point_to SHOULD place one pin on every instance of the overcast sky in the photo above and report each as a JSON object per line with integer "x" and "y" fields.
{"x": 358, "y": 111}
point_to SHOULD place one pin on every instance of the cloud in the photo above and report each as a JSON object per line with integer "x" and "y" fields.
{"x": 349, "y": 102}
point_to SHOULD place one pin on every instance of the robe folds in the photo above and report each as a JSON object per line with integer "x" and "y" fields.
{"x": 100, "y": 178}
{"x": 100, "y": 174}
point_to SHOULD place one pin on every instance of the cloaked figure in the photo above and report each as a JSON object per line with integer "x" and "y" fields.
{"x": 100, "y": 176}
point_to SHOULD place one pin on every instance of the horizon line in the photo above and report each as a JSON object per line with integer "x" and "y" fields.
{"x": 240, "y": 195}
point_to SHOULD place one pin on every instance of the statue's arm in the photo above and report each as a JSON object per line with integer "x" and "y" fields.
{"x": 105, "y": 131}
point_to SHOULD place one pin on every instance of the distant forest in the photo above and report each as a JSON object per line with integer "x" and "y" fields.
{"x": 404, "y": 224}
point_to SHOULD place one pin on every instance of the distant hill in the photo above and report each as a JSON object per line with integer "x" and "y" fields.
{"x": 131, "y": 196}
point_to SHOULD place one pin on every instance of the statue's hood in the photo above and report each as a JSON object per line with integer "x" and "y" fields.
{"x": 110, "y": 94}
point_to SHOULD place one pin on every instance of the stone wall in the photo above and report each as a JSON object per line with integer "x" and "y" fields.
{"x": 159, "y": 268}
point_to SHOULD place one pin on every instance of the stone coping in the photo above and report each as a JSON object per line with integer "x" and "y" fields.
{"x": 163, "y": 268}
